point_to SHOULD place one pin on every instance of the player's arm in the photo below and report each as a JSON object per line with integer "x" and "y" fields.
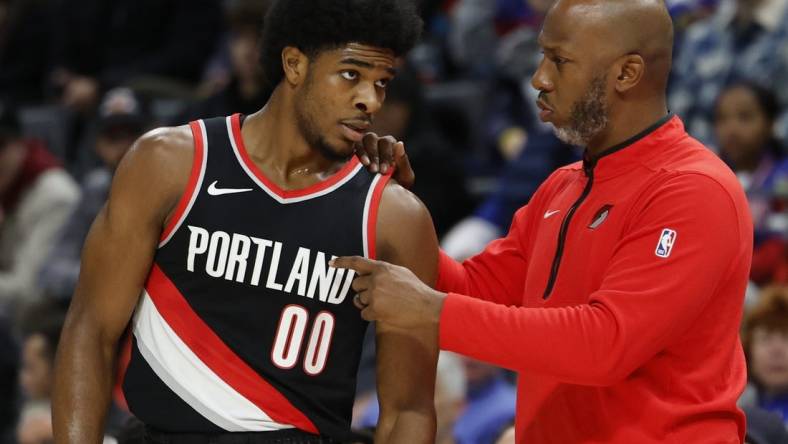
{"x": 406, "y": 359}
{"x": 115, "y": 262}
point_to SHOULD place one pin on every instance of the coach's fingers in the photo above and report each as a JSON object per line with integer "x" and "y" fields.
{"x": 370, "y": 148}
{"x": 404, "y": 174}
{"x": 386, "y": 152}
{"x": 361, "y": 265}
{"x": 362, "y": 156}
{"x": 362, "y": 283}
{"x": 358, "y": 302}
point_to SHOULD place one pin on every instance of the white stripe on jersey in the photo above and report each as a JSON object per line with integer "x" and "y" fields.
{"x": 191, "y": 379}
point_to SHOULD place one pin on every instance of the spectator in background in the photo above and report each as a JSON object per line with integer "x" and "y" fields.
{"x": 25, "y": 38}
{"x": 41, "y": 327}
{"x": 36, "y": 198}
{"x": 490, "y": 404}
{"x": 100, "y": 45}
{"x": 122, "y": 120}
{"x": 765, "y": 340}
{"x": 406, "y": 116}
{"x": 745, "y": 39}
{"x": 236, "y": 85}
{"x": 492, "y": 37}
{"x": 40, "y": 336}
{"x": 744, "y": 124}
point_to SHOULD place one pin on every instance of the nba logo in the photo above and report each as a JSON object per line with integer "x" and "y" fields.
{"x": 666, "y": 241}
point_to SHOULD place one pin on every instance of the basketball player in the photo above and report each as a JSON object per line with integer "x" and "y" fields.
{"x": 214, "y": 247}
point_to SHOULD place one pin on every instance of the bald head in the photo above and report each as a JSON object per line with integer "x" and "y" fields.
{"x": 612, "y": 28}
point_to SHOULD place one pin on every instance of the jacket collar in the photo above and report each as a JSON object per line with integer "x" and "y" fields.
{"x": 619, "y": 158}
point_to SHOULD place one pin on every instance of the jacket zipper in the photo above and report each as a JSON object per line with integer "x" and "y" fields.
{"x": 559, "y": 251}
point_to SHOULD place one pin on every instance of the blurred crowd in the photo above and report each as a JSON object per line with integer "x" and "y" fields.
{"x": 80, "y": 80}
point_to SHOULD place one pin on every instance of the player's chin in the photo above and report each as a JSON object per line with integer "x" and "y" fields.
{"x": 341, "y": 149}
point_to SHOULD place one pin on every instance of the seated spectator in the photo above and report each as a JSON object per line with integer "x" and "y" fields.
{"x": 765, "y": 341}
{"x": 36, "y": 198}
{"x": 489, "y": 404}
{"x": 121, "y": 121}
{"x": 742, "y": 40}
{"x": 100, "y": 45}
{"x": 744, "y": 124}
{"x": 235, "y": 86}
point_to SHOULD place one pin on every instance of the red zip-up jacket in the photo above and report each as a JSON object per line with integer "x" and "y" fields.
{"x": 617, "y": 297}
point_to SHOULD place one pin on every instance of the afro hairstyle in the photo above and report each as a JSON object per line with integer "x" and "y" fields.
{"x": 314, "y": 26}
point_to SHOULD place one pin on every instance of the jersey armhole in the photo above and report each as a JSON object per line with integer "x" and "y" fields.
{"x": 371, "y": 214}
{"x": 193, "y": 185}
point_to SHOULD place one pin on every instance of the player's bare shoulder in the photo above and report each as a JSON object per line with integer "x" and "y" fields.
{"x": 404, "y": 223}
{"x": 156, "y": 169}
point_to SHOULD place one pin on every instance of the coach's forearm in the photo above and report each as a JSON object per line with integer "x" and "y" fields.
{"x": 83, "y": 384}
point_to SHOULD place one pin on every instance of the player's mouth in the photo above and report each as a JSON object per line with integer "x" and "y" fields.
{"x": 354, "y": 130}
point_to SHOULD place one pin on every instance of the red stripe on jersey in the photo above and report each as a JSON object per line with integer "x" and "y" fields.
{"x": 183, "y": 203}
{"x": 286, "y": 194}
{"x": 372, "y": 220}
{"x": 214, "y": 353}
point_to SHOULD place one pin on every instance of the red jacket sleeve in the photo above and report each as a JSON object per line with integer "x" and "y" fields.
{"x": 480, "y": 276}
{"x": 643, "y": 303}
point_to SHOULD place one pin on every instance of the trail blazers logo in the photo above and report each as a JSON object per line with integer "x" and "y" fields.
{"x": 600, "y": 216}
{"x": 666, "y": 241}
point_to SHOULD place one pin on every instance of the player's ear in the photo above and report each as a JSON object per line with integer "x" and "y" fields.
{"x": 295, "y": 64}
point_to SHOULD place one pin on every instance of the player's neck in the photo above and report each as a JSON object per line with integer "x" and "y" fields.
{"x": 276, "y": 145}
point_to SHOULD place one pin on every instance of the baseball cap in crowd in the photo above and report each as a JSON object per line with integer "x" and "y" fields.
{"x": 122, "y": 111}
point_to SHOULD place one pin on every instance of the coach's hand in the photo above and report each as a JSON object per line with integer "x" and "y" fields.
{"x": 392, "y": 294}
{"x": 380, "y": 154}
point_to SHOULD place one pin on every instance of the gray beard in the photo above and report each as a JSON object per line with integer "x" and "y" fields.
{"x": 589, "y": 116}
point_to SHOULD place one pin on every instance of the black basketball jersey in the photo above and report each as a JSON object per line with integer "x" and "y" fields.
{"x": 242, "y": 325}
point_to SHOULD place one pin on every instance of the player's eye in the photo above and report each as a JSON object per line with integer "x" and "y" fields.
{"x": 349, "y": 75}
{"x": 382, "y": 83}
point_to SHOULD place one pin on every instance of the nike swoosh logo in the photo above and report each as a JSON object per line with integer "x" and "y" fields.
{"x": 548, "y": 214}
{"x": 213, "y": 191}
